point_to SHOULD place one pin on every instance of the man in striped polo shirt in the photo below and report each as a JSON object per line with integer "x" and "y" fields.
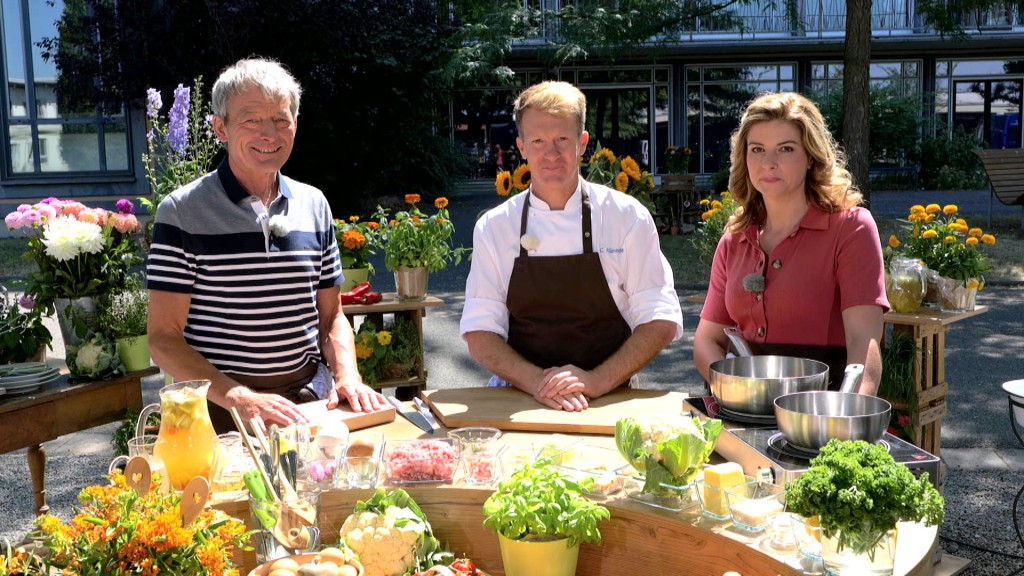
{"x": 244, "y": 268}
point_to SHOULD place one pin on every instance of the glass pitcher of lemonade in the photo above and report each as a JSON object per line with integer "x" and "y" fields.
{"x": 187, "y": 443}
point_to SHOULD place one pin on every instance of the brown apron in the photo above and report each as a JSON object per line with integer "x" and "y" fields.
{"x": 834, "y": 356}
{"x": 560, "y": 308}
{"x": 290, "y": 386}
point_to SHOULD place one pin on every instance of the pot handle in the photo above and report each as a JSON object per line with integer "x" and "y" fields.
{"x": 851, "y": 377}
{"x": 736, "y": 337}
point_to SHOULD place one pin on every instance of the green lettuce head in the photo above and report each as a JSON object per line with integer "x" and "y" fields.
{"x": 667, "y": 450}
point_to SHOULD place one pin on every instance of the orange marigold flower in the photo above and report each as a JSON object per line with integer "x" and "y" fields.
{"x": 373, "y": 225}
{"x": 971, "y": 241}
{"x": 716, "y": 205}
{"x": 973, "y": 284}
{"x": 916, "y": 231}
{"x": 353, "y": 218}
{"x": 916, "y": 208}
{"x": 353, "y": 240}
{"x": 932, "y": 208}
{"x": 949, "y": 209}
{"x": 707, "y": 215}
{"x": 393, "y": 223}
{"x": 621, "y": 181}
{"x": 961, "y": 221}
{"x": 928, "y": 218}
{"x": 929, "y": 234}
{"x": 705, "y": 202}
{"x": 949, "y": 240}
{"x": 412, "y": 198}
{"x": 976, "y": 232}
{"x": 630, "y": 167}
{"x": 988, "y": 239}
{"x": 894, "y": 242}
{"x": 441, "y": 203}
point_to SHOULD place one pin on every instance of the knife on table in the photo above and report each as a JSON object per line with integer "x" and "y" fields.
{"x": 425, "y": 410}
{"x": 411, "y": 415}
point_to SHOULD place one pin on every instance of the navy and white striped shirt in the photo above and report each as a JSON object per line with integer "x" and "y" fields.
{"x": 253, "y": 294}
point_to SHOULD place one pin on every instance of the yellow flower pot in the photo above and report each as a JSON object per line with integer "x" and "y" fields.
{"x": 528, "y": 558}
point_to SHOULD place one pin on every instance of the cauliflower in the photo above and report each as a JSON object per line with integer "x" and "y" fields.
{"x": 94, "y": 359}
{"x": 668, "y": 450}
{"x": 391, "y": 535}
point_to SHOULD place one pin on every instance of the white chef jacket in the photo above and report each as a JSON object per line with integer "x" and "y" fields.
{"x": 625, "y": 238}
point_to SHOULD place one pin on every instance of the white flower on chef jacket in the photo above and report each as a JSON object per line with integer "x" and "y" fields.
{"x": 279, "y": 225}
{"x": 530, "y": 242}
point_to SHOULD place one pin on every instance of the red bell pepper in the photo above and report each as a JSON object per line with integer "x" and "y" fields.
{"x": 355, "y": 295}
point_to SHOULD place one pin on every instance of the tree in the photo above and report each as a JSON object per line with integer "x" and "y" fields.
{"x": 856, "y": 92}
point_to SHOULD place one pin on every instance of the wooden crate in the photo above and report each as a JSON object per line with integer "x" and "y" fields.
{"x": 928, "y": 330}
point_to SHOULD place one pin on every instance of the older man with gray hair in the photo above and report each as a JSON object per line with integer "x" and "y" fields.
{"x": 244, "y": 268}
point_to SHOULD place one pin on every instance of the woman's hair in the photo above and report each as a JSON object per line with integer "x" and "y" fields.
{"x": 272, "y": 78}
{"x": 552, "y": 97}
{"x": 828, "y": 185}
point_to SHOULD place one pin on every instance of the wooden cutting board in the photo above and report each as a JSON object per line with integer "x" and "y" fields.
{"x": 314, "y": 411}
{"x": 512, "y": 409}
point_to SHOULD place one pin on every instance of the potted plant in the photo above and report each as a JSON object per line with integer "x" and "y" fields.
{"x": 23, "y": 336}
{"x": 416, "y": 244}
{"x": 677, "y": 159}
{"x": 622, "y": 174}
{"x": 713, "y": 220}
{"x": 356, "y": 241}
{"x": 859, "y": 493}
{"x": 391, "y": 353}
{"x": 541, "y": 516}
{"x": 123, "y": 315}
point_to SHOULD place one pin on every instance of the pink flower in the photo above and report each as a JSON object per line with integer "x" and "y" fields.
{"x": 124, "y": 223}
{"x": 125, "y": 206}
{"x": 71, "y": 209}
{"x": 31, "y": 217}
{"x": 14, "y": 220}
{"x": 904, "y": 420}
{"x": 47, "y": 211}
{"x": 24, "y": 207}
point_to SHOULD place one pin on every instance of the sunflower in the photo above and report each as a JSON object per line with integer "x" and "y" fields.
{"x": 631, "y": 168}
{"x": 521, "y": 178}
{"x": 603, "y": 156}
{"x": 503, "y": 183}
{"x": 621, "y": 181}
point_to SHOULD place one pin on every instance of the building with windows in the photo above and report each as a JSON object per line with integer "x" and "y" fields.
{"x": 691, "y": 92}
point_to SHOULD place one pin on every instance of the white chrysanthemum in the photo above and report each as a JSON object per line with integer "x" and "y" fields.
{"x": 66, "y": 238}
{"x": 530, "y": 242}
{"x": 279, "y": 225}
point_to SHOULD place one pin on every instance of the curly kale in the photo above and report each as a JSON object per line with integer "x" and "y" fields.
{"x": 860, "y": 492}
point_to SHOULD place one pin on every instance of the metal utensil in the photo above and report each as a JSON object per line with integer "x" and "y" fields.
{"x": 422, "y": 407}
{"x": 411, "y": 415}
{"x": 810, "y": 419}
{"x": 738, "y": 342}
{"x": 750, "y": 384}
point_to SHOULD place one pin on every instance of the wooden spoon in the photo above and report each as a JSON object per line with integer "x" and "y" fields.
{"x": 193, "y": 499}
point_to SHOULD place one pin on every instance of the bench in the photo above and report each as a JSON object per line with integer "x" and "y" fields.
{"x": 1005, "y": 170}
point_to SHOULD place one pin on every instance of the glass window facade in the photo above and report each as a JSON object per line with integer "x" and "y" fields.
{"x": 46, "y": 134}
{"x": 982, "y": 97}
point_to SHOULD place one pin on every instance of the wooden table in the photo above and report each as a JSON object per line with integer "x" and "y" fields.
{"x": 927, "y": 328}
{"x": 414, "y": 311}
{"x": 60, "y": 408}
{"x": 637, "y": 536}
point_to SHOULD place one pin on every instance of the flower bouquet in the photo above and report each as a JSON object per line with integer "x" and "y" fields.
{"x": 622, "y": 174}
{"x": 118, "y": 532}
{"x": 387, "y": 354}
{"x": 413, "y": 239}
{"x": 79, "y": 251}
{"x": 949, "y": 247}
{"x": 22, "y": 332}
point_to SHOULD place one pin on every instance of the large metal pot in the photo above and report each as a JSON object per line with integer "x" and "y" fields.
{"x": 810, "y": 419}
{"x": 750, "y": 384}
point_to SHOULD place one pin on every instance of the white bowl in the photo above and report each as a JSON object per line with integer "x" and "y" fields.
{"x": 1015, "y": 388}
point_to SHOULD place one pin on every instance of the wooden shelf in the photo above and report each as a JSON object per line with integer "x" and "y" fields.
{"x": 414, "y": 311}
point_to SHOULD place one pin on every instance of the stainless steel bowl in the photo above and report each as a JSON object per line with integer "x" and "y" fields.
{"x": 810, "y": 419}
{"x": 750, "y": 384}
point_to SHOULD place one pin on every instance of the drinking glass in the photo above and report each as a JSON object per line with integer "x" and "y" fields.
{"x": 362, "y": 471}
{"x": 143, "y": 446}
{"x": 270, "y": 539}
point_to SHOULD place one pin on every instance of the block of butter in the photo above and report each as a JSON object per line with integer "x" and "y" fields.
{"x": 752, "y": 513}
{"x": 717, "y": 479}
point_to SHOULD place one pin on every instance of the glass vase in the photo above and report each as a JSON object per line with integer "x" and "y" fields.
{"x": 878, "y": 561}
{"x": 905, "y": 284}
{"x": 76, "y": 318}
{"x": 411, "y": 283}
{"x": 957, "y": 295}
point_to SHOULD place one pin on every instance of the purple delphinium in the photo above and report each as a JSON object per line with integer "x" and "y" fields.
{"x": 153, "y": 102}
{"x": 125, "y": 206}
{"x": 177, "y": 131}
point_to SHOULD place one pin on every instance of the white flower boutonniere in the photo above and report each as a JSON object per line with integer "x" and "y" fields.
{"x": 530, "y": 242}
{"x": 279, "y": 225}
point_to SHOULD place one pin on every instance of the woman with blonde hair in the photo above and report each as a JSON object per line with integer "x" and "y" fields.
{"x": 799, "y": 270}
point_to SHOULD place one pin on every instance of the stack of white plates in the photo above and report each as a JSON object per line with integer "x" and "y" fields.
{"x": 26, "y": 377}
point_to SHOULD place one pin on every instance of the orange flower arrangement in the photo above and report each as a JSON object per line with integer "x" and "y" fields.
{"x": 412, "y": 239}
{"x": 356, "y": 241}
{"x": 945, "y": 242}
{"x": 117, "y": 532}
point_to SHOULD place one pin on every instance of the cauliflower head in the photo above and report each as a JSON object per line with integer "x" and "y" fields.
{"x": 383, "y": 548}
{"x": 668, "y": 450}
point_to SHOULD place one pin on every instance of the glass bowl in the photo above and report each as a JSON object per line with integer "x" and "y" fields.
{"x": 599, "y": 464}
{"x": 473, "y": 438}
{"x": 753, "y": 505}
{"x": 421, "y": 461}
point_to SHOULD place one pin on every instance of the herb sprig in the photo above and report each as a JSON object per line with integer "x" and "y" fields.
{"x": 860, "y": 492}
